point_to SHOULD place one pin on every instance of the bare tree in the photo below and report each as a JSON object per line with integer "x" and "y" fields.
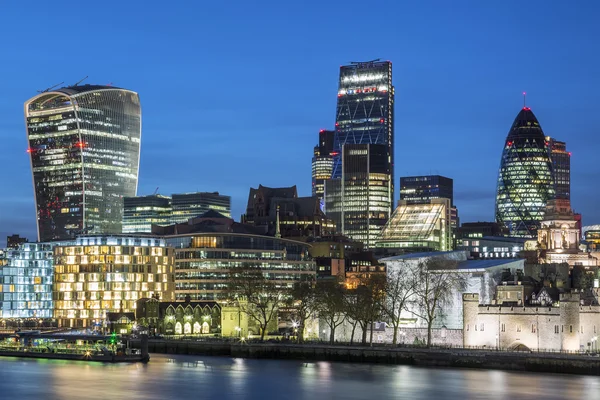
{"x": 303, "y": 302}
{"x": 257, "y": 296}
{"x": 364, "y": 304}
{"x": 437, "y": 282}
{"x": 399, "y": 287}
{"x": 330, "y": 304}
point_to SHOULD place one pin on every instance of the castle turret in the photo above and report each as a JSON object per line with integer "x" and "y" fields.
{"x": 470, "y": 314}
{"x": 569, "y": 320}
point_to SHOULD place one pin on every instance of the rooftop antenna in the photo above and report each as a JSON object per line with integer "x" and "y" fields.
{"x": 50, "y": 88}
{"x": 524, "y": 99}
{"x": 81, "y": 81}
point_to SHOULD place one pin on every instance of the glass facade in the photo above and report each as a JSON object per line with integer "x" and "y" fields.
{"x": 141, "y": 212}
{"x": 26, "y": 282}
{"x": 203, "y": 262}
{"x": 191, "y": 205}
{"x": 84, "y": 146}
{"x": 322, "y": 164}
{"x": 418, "y": 227}
{"x": 363, "y": 193}
{"x": 104, "y": 274}
{"x": 561, "y": 165}
{"x": 421, "y": 189}
{"x": 525, "y": 178}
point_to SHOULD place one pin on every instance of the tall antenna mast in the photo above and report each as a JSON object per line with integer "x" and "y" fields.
{"x": 524, "y": 99}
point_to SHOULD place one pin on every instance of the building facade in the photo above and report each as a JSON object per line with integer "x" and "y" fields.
{"x": 360, "y": 202}
{"x": 141, "y": 212}
{"x": 561, "y": 166}
{"x": 191, "y": 205}
{"x": 525, "y": 178}
{"x": 567, "y": 325}
{"x": 203, "y": 261}
{"x": 84, "y": 148}
{"x": 14, "y": 241}
{"x": 417, "y": 228}
{"x": 102, "y": 274}
{"x": 322, "y": 164}
{"x": 26, "y": 282}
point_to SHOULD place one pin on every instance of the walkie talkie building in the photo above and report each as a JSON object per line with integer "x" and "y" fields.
{"x": 525, "y": 179}
{"x": 84, "y": 146}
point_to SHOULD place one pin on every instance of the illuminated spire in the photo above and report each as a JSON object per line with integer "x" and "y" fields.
{"x": 277, "y": 232}
{"x": 524, "y": 99}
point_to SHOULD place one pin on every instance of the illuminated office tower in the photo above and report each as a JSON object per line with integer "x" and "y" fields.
{"x": 322, "y": 163}
{"x": 360, "y": 201}
{"x": 365, "y": 110}
{"x": 141, "y": 212}
{"x": 97, "y": 275}
{"x": 84, "y": 148}
{"x": 525, "y": 179}
{"x": 190, "y": 205}
{"x": 561, "y": 167}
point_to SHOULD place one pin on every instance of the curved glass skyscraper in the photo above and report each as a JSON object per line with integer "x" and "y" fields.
{"x": 525, "y": 181}
{"x": 84, "y": 145}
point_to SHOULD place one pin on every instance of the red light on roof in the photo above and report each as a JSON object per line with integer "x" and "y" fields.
{"x": 336, "y": 124}
{"x": 29, "y": 150}
{"x": 334, "y": 153}
{"x": 322, "y": 130}
{"x": 340, "y": 95}
{"x": 509, "y": 143}
{"x": 569, "y": 154}
{"x": 382, "y": 120}
{"x": 526, "y": 108}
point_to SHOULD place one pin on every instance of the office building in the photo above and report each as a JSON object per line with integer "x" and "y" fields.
{"x": 102, "y": 274}
{"x": 13, "y": 241}
{"x": 191, "y": 205}
{"x": 561, "y": 168}
{"x": 417, "y": 228}
{"x": 84, "y": 148}
{"x": 525, "y": 180}
{"x": 365, "y": 110}
{"x": 26, "y": 282}
{"x": 299, "y": 217}
{"x": 360, "y": 201}
{"x": 141, "y": 212}
{"x": 322, "y": 164}
{"x": 421, "y": 189}
{"x": 210, "y": 246}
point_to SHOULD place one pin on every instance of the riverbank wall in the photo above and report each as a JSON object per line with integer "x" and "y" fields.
{"x": 422, "y": 357}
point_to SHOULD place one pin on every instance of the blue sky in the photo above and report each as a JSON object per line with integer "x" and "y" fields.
{"x": 234, "y": 93}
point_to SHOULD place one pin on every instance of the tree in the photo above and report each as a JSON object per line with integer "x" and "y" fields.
{"x": 329, "y": 304}
{"x": 399, "y": 287}
{"x": 303, "y": 302}
{"x": 258, "y": 297}
{"x": 364, "y": 304}
{"x": 437, "y": 282}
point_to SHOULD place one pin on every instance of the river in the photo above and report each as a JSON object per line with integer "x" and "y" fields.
{"x": 198, "y": 377}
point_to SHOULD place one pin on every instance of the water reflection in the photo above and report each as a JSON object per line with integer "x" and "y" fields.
{"x": 197, "y": 377}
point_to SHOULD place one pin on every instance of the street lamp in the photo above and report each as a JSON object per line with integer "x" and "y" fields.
{"x": 497, "y": 342}
{"x": 595, "y": 341}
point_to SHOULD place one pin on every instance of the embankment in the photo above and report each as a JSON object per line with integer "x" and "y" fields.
{"x": 452, "y": 358}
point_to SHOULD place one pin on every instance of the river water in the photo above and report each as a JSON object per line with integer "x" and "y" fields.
{"x": 198, "y": 377}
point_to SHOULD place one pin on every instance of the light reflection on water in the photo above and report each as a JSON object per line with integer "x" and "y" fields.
{"x": 197, "y": 377}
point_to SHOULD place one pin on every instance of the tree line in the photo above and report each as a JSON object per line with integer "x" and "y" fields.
{"x": 420, "y": 289}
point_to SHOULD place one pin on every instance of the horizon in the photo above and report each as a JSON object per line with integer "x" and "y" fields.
{"x": 454, "y": 88}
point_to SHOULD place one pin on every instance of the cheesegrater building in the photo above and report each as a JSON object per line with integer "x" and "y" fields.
{"x": 84, "y": 148}
{"x": 525, "y": 178}
{"x": 364, "y": 116}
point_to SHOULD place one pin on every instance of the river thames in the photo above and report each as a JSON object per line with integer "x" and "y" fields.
{"x": 197, "y": 377}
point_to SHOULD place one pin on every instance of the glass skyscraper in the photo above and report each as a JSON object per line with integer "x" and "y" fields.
{"x": 141, "y": 212}
{"x": 84, "y": 146}
{"x": 364, "y": 116}
{"x": 360, "y": 201}
{"x": 322, "y": 163}
{"x": 561, "y": 165}
{"x": 525, "y": 178}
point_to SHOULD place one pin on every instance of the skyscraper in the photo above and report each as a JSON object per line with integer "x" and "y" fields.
{"x": 364, "y": 116}
{"x": 191, "y": 205}
{"x": 421, "y": 189}
{"x": 322, "y": 163}
{"x": 561, "y": 166}
{"x": 141, "y": 212}
{"x": 84, "y": 147}
{"x": 525, "y": 179}
{"x": 360, "y": 200}
{"x": 365, "y": 110}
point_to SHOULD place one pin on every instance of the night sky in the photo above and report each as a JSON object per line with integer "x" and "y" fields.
{"x": 234, "y": 92}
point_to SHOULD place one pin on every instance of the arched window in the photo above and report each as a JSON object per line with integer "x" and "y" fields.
{"x": 197, "y": 328}
{"x": 178, "y": 328}
{"x": 187, "y": 328}
{"x": 205, "y": 327}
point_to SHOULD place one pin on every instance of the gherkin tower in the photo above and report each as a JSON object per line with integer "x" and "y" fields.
{"x": 525, "y": 181}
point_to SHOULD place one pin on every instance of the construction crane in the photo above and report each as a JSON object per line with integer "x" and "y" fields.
{"x": 156, "y": 191}
{"x": 80, "y": 81}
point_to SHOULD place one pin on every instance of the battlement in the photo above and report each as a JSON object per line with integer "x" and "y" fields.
{"x": 573, "y": 296}
{"x": 471, "y": 297}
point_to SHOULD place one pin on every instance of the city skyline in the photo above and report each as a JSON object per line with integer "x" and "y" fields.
{"x": 447, "y": 101}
